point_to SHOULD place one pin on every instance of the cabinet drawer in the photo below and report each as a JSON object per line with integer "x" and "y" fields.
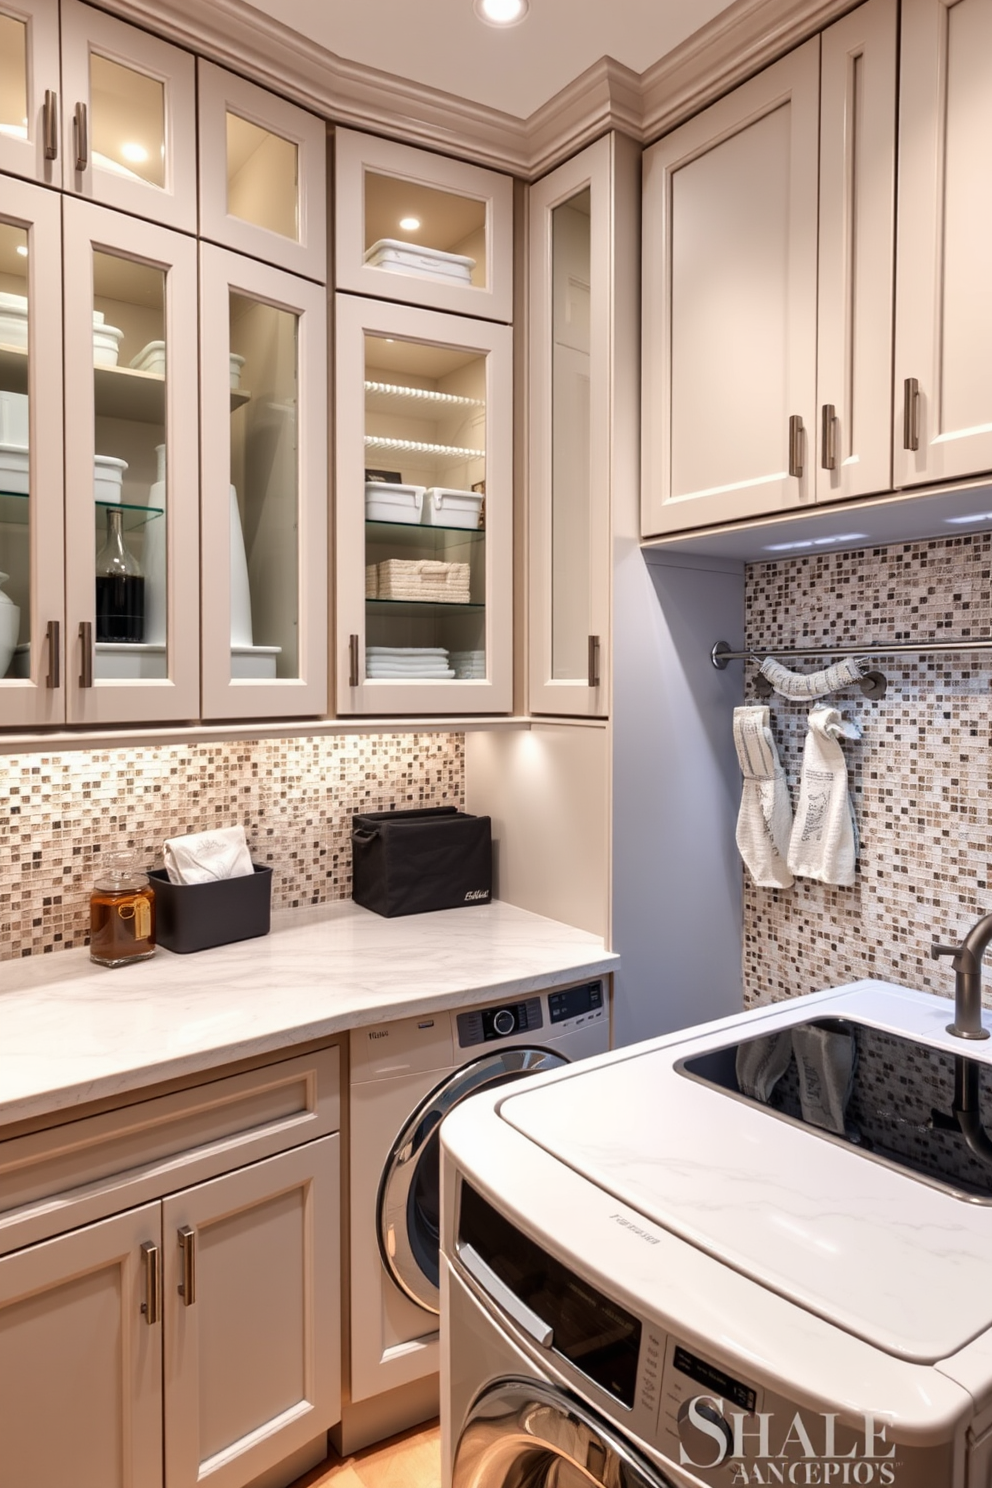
{"x": 69, "y": 1175}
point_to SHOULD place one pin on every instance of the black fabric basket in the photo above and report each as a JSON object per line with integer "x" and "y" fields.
{"x": 195, "y": 917}
{"x": 410, "y": 862}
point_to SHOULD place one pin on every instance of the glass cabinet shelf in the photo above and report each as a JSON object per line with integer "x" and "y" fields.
{"x": 120, "y": 392}
{"x": 412, "y": 608}
{"x": 15, "y": 509}
{"x": 389, "y": 397}
{"x": 417, "y": 535}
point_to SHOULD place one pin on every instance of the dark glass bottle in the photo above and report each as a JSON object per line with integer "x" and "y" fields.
{"x": 120, "y": 586}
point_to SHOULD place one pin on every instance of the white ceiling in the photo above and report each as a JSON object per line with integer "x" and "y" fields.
{"x": 443, "y": 44}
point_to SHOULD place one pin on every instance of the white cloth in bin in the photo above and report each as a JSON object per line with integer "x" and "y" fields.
{"x": 205, "y": 857}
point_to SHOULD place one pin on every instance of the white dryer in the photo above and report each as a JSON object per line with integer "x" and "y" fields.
{"x": 674, "y": 1266}
{"x": 405, "y": 1077}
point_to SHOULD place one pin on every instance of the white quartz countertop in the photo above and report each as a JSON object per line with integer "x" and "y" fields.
{"x": 72, "y": 1032}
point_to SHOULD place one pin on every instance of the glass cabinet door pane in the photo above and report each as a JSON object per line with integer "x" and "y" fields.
{"x": 129, "y": 473}
{"x": 262, "y": 177}
{"x": 13, "y": 77}
{"x": 425, "y": 232}
{"x": 128, "y": 121}
{"x": 571, "y": 449}
{"x": 425, "y": 482}
{"x": 264, "y": 495}
{"x": 15, "y": 458}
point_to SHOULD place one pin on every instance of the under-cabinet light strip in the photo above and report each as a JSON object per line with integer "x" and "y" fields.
{"x": 416, "y": 447}
{"x": 427, "y": 395}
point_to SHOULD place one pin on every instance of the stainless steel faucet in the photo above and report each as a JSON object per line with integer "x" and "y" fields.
{"x": 967, "y": 965}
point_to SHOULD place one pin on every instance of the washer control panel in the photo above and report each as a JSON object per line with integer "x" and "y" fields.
{"x": 483, "y": 1025}
{"x": 582, "y": 1002}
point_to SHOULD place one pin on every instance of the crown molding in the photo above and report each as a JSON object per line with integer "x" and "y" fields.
{"x": 607, "y": 96}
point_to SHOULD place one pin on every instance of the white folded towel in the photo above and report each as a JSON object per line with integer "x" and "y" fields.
{"x": 813, "y": 684}
{"x": 204, "y": 857}
{"x": 824, "y": 841}
{"x": 406, "y": 651}
{"x": 765, "y": 818}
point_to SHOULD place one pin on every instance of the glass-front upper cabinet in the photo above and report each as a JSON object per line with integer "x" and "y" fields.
{"x": 29, "y": 90}
{"x": 132, "y": 585}
{"x": 31, "y": 549}
{"x": 422, "y": 229}
{"x": 424, "y": 511}
{"x": 264, "y": 503}
{"x": 583, "y": 387}
{"x": 128, "y": 118}
{"x": 262, "y": 174}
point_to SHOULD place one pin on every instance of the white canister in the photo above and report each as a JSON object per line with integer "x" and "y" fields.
{"x": 108, "y": 476}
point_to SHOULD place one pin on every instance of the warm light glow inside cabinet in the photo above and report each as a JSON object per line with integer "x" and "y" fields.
{"x": 262, "y": 174}
{"x": 421, "y": 228}
{"x": 29, "y": 90}
{"x": 263, "y": 376}
{"x": 128, "y": 118}
{"x": 573, "y": 365}
{"x": 423, "y": 510}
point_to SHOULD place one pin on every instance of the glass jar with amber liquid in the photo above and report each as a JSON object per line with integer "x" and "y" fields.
{"x": 122, "y": 913}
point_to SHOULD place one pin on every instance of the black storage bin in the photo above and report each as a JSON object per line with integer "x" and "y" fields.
{"x": 194, "y": 917}
{"x": 410, "y": 862}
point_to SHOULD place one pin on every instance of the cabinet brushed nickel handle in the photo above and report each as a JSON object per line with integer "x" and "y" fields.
{"x": 80, "y": 134}
{"x": 50, "y": 124}
{"x": 911, "y": 413}
{"x": 594, "y": 661}
{"x": 353, "y": 661}
{"x": 796, "y": 445}
{"x": 151, "y": 1261}
{"x": 187, "y": 1244}
{"x": 54, "y": 678}
{"x": 828, "y": 437}
{"x": 86, "y": 650}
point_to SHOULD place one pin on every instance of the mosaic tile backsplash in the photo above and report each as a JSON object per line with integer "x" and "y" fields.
{"x": 920, "y": 776}
{"x": 294, "y": 797}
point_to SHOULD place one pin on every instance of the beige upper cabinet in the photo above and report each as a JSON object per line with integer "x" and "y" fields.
{"x": 262, "y": 174}
{"x": 421, "y": 228}
{"x": 857, "y": 246}
{"x": 263, "y": 389}
{"x": 583, "y": 217}
{"x": 424, "y": 511}
{"x": 81, "y": 1358}
{"x": 729, "y": 378}
{"x": 29, "y": 90}
{"x": 128, "y": 118}
{"x": 942, "y": 427}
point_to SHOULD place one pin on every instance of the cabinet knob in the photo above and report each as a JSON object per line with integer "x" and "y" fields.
{"x": 796, "y": 445}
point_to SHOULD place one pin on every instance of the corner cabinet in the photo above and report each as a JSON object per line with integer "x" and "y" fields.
{"x": 741, "y": 416}
{"x": 424, "y": 510}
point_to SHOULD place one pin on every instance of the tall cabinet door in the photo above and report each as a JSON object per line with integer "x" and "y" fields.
{"x": 943, "y": 416}
{"x": 128, "y": 118}
{"x": 857, "y": 252}
{"x": 29, "y": 90}
{"x": 252, "y": 1316}
{"x": 81, "y": 1358}
{"x": 132, "y": 599}
{"x": 263, "y": 390}
{"x": 31, "y": 544}
{"x": 729, "y": 391}
{"x": 575, "y": 215}
{"x": 424, "y": 510}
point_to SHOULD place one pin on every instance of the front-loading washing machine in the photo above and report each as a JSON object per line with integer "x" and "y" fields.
{"x": 665, "y": 1267}
{"x": 405, "y": 1077}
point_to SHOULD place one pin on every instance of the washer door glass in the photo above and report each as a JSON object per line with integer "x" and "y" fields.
{"x": 408, "y": 1217}
{"x": 527, "y": 1433}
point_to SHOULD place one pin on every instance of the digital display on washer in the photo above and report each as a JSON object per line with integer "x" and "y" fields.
{"x": 715, "y": 1380}
{"x": 574, "y": 1002}
{"x": 591, "y": 1331}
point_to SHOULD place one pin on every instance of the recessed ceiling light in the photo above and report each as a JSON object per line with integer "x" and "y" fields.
{"x": 409, "y": 224}
{"x": 501, "y": 12}
{"x": 22, "y": 250}
{"x": 137, "y": 154}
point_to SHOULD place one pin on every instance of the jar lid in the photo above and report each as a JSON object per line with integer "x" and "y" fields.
{"x": 121, "y": 871}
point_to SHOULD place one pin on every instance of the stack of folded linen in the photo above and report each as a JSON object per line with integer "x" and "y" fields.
{"x": 469, "y": 663}
{"x": 424, "y": 580}
{"x": 371, "y": 581}
{"x": 415, "y": 662}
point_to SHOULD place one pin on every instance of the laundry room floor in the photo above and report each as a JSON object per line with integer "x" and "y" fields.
{"x": 410, "y": 1460}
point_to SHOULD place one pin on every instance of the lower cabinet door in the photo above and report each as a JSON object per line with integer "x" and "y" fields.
{"x": 252, "y": 1312}
{"x": 81, "y": 1358}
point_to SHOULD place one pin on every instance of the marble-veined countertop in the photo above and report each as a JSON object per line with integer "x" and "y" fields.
{"x": 72, "y": 1032}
